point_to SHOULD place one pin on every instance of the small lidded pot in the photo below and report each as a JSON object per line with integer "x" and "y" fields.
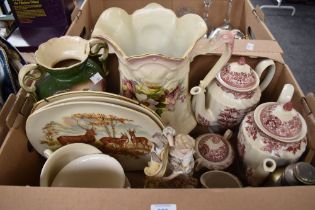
{"x": 214, "y": 151}
{"x": 274, "y": 130}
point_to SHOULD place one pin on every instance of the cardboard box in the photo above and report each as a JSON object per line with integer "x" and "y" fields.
{"x": 243, "y": 16}
{"x": 20, "y": 165}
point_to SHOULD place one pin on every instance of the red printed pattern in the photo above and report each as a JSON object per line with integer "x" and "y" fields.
{"x": 237, "y": 95}
{"x": 277, "y": 127}
{"x": 230, "y": 117}
{"x": 240, "y": 145}
{"x": 212, "y": 155}
{"x": 202, "y": 120}
{"x": 271, "y": 145}
{"x": 237, "y": 79}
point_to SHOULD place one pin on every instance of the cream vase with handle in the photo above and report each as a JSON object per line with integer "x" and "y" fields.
{"x": 221, "y": 103}
{"x": 154, "y": 49}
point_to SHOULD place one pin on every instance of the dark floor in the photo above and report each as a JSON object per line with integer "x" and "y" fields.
{"x": 296, "y": 35}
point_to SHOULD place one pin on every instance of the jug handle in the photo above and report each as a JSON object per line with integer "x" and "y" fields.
{"x": 95, "y": 46}
{"x": 227, "y": 38}
{"x": 263, "y": 65}
{"x": 286, "y": 94}
{"x": 29, "y": 72}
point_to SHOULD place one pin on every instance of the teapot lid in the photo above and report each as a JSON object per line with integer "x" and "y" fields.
{"x": 280, "y": 121}
{"x": 238, "y": 76}
{"x": 213, "y": 147}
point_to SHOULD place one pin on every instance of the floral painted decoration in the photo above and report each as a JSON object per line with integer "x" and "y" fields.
{"x": 155, "y": 97}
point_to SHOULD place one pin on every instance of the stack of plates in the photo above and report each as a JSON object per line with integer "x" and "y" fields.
{"x": 114, "y": 124}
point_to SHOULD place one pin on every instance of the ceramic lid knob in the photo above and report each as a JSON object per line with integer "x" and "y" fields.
{"x": 288, "y": 106}
{"x": 281, "y": 121}
{"x": 238, "y": 76}
{"x": 242, "y": 61}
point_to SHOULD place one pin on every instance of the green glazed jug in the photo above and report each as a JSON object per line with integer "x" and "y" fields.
{"x": 63, "y": 64}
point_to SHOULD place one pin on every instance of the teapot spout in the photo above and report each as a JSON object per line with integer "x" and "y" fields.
{"x": 260, "y": 173}
{"x": 202, "y": 114}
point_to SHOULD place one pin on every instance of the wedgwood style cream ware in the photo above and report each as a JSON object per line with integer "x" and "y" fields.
{"x": 222, "y": 103}
{"x": 276, "y": 131}
{"x": 92, "y": 171}
{"x": 63, "y": 64}
{"x": 154, "y": 60}
{"x": 81, "y": 165}
{"x": 87, "y": 96}
{"x": 97, "y": 96}
{"x": 61, "y": 157}
{"x": 122, "y": 132}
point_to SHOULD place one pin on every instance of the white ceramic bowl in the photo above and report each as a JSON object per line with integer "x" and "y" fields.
{"x": 92, "y": 171}
{"x": 61, "y": 157}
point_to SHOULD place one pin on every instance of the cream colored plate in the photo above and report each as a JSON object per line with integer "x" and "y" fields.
{"x": 107, "y": 97}
{"x": 116, "y": 101}
{"x": 114, "y": 129}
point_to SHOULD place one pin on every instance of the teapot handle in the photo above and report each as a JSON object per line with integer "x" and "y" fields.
{"x": 228, "y": 134}
{"x": 286, "y": 94}
{"x": 263, "y": 65}
{"x": 199, "y": 164}
{"x": 227, "y": 38}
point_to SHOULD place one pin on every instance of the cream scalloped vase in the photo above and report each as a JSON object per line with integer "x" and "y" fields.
{"x": 154, "y": 49}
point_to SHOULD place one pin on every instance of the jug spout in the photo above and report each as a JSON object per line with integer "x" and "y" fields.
{"x": 256, "y": 176}
{"x": 202, "y": 114}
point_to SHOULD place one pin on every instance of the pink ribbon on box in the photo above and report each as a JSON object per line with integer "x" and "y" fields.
{"x": 227, "y": 37}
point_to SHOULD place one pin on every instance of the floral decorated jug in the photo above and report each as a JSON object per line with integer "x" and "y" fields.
{"x": 222, "y": 103}
{"x": 154, "y": 49}
{"x": 274, "y": 130}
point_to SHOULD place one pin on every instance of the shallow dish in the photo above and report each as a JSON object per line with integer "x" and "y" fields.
{"x": 91, "y": 171}
{"x": 108, "y": 98}
{"x": 60, "y": 158}
{"x": 116, "y": 130}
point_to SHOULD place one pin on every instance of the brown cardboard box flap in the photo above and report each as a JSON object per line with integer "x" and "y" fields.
{"x": 3, "y": 116}
{"x": 256, "y": 48}
{"x": 122, "y": 199}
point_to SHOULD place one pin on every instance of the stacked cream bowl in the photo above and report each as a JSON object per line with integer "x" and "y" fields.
{"x": 81, "y": 165}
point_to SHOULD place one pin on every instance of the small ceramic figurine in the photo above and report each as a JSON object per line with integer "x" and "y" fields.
{"x": 222, "y": 103}
{"x": 274, "y": 130}
{"x": 159, "y": 156}
{"x": 171, "y": 166}
{"x": 181, "y": 159}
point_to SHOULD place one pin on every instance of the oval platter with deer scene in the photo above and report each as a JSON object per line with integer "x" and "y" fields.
{"x": 101, "y": 98}
{"x": 116, "y": 130}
